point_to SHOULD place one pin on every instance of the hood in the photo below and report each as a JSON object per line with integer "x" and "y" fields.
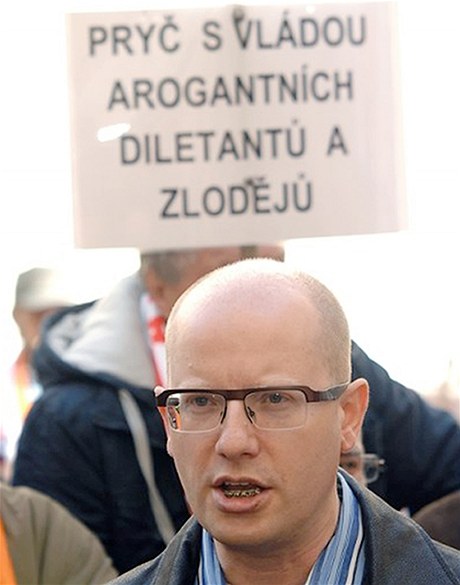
{"x": 104, "y": 340}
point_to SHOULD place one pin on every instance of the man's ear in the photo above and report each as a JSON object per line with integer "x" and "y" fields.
{"x": 164, "y": 417}
{"x": 354, "y": 405}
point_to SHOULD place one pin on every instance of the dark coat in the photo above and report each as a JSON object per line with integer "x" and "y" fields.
{"x": 420, "y": 443}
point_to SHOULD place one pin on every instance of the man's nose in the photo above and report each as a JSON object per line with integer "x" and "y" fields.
{"x": 237, "y": 434}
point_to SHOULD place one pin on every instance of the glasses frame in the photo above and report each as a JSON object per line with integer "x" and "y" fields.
{"x": 311, "y": 395}
{"x": 371, "y": 462}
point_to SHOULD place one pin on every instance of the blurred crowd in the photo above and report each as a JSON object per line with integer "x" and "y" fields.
{"x": 80, "y": 432}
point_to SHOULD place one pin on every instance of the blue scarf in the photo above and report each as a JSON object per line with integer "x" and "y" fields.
{"x": 340, "y": 563}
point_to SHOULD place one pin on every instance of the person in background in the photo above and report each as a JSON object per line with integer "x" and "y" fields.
{"x": 41, "y": 543}
{"x": 441, "y": 519}
{"x": 95, "y": 442}
{"x": 364, "y": 467}
{"x": 39, "y": 292}
{"x": 258, "y": 406}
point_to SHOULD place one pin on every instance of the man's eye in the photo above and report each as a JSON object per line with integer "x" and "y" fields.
{"x": 275, "y": 398}
{"x": 350, "y": 464}
{"x": 200, "y": 401}
{"x": 268, "y": 399}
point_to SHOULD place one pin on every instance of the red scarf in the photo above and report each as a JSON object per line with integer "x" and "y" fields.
{"x": 156, "y": 336}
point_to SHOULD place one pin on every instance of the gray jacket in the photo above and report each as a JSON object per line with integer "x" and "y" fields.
{"x": 398, "y": 552}
{"x": 46, "y": 544}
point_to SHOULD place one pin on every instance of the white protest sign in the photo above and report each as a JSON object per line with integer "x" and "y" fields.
{"x": 236, "y": 124}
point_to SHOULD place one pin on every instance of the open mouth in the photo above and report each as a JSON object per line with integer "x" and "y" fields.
{"x": 240, "y": 490}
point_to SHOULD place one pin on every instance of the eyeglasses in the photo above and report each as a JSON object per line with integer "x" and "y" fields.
{"x": 272, "y": 408}
{"x": 370, "y": 464}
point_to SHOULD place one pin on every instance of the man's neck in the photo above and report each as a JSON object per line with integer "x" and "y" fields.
{"x": 291, "y": 570}
{"x": 289, "y": 564}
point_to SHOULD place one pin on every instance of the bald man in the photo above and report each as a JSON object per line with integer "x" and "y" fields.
{"x": 258, "y": 407}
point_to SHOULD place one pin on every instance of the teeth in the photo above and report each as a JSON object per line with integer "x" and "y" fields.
{"x": 242, "y": 490}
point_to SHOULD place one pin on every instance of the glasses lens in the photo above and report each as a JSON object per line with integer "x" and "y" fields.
{"x": 372, "y": 467}
{"x": 276, "y": 408}
{"x": 195, "y": 411}
{"x": 364, "y": 467}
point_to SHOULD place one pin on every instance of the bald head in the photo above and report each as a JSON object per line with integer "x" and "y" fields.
{"x": 265, "y": 292}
